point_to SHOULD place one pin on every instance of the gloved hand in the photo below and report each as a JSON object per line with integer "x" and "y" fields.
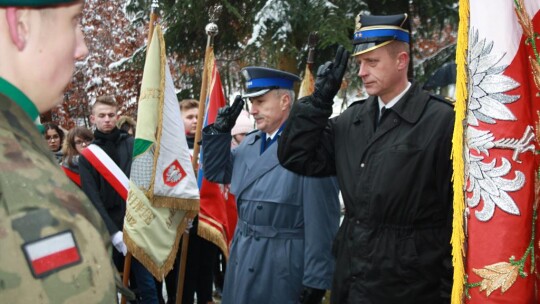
{"x": 329, "y": 76}
{"x": 311, "y": 295}
{"x": 118, "y": 242}
{"x": 226, "y": 117}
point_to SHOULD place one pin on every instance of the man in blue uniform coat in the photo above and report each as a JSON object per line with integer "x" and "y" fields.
{"x": 281, "y": 250}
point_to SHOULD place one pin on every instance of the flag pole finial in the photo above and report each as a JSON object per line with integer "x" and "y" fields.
{"x": 213, "y": 13}
{"x": 154, "y": 6}
{"x": 313, "y": 39}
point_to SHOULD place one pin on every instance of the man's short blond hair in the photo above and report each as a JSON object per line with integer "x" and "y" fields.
{"x": 105, "y": 100}
{"x": 397, "y": 47}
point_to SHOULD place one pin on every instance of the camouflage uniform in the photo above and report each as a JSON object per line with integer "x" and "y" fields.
{"x": 37, "y": 201}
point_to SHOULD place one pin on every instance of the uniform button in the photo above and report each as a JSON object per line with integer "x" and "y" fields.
{"x": 259, "y": 207}
{"x": 362, "y": 165}
{"x": 353, "y": 278}
{"x": 357, "y": 222}
{"x": 395, "y": 120}
{"x": 251, "y": 269}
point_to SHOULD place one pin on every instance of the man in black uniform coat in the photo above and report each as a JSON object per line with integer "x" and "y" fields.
{"x": 391, "y": 154}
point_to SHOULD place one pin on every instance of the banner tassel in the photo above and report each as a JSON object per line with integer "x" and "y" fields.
{"x": 458, "y": 233}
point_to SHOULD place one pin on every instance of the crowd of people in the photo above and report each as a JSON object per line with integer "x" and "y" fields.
{"x": 389, "y": 155}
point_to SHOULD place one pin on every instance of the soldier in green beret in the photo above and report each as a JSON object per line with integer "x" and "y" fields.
{"x": 55, "y": 247}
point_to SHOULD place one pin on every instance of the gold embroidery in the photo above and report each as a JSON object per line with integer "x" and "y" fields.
{"x": 499, "y": 275}
{"x": 130, "y": 220}
{"x": 524, "y": 19}
{"x": 535, "y": 68}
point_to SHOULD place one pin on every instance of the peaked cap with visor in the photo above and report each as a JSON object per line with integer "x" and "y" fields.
{"x": 372, "y": 32}
{"x": 261, "y": 80}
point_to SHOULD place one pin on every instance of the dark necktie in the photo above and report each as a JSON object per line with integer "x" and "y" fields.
{"x": 268, "y": 142}
{"x": 381, "y": 114}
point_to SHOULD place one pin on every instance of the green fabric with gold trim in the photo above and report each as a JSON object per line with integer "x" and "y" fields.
{"x": 33, "y": 2}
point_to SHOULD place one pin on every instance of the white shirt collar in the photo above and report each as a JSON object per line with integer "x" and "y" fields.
{"x": 271, "y": 136}
{"x": 394, "y": 100}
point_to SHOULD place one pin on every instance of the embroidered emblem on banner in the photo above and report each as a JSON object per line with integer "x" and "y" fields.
{"x": 52, "y": 253}
{"x": 173, "y": 174}
{"x": 487, "y": 180}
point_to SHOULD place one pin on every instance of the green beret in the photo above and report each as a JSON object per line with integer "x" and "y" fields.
{"x": 33, "y": 2}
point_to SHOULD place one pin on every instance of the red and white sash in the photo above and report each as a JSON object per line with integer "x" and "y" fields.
{"x": 108, "y": 169}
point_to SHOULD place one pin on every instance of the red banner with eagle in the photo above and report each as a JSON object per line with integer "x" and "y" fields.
{"x": 495, "y": 143}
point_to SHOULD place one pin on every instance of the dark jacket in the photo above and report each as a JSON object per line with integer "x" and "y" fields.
{"x": 393, "y": 245}
{"x": 108, "y": 202}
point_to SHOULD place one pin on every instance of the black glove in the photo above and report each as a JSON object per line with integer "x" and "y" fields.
{"x": 226, "y": 117}
{"x": 329, "y": 78}
{"x": 311, "y": 295}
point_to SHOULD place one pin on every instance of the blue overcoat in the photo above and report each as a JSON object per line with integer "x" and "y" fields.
{"x": 286, "y": 222}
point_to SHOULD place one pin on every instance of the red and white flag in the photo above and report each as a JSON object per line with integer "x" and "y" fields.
{"x": 217, "y": 217}
{"x": 495, "y": 160}
{"x": 52, "y": 253}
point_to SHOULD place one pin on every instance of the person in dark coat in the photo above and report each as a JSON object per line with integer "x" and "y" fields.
{"x": 118, "y": 145}
{"x": 391, "y": 154}
{"x": 281, "y": 249}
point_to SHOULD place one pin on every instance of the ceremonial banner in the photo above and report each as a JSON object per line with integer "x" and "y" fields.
{"x": 163, "y": 187}
{"x": 308, "y": 84}
{"x": 495, "y": 139}
{"x": 217, "y": 217}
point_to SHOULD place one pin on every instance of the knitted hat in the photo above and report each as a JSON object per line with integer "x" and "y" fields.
{"x": 243, "y": 124}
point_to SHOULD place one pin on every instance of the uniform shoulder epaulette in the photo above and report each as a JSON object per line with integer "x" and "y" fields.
{"x": 445, "y": 100}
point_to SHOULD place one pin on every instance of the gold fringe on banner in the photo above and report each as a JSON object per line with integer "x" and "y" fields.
{"x": 158, "y": 272}
{"x": 211, "y": 234}
{"x": 458, "y": 233}
{"x": 184, "y": 204}
{"x": 159, "y": 131}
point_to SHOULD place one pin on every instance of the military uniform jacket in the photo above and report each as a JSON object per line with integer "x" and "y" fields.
{"x": 393, "y": 245}
{"x": 41, "y": 212}
{"x": 286, "y": 223}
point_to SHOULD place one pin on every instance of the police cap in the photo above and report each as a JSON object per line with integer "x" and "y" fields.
{"x": 33, "y": 2}
{"x": 372, "y": 32}
{"x": 260, "y": 80}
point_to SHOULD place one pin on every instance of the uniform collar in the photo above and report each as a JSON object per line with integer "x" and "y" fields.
{"x": 412, "y": 104}
{"x": 409, "y": 107}
{"x": 19, "y": 98}
{"x": 395, "y": 100}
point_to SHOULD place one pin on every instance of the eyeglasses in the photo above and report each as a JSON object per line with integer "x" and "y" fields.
{"x": 52, "y": 137}
{"x": 82, "y": 142}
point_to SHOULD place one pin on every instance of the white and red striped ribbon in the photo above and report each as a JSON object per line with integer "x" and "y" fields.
{"x": 108, "y": 169}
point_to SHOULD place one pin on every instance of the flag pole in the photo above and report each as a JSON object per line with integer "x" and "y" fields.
{"x": 211, "y": 31}
{"x": 127, "y": 260}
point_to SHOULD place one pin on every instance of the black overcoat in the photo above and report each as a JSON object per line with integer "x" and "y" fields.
{"x": 393, "y": 245}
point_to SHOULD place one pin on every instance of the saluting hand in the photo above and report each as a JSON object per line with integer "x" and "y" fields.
{"x": 226, "y": 117}
{"x": 329, "y": 77}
